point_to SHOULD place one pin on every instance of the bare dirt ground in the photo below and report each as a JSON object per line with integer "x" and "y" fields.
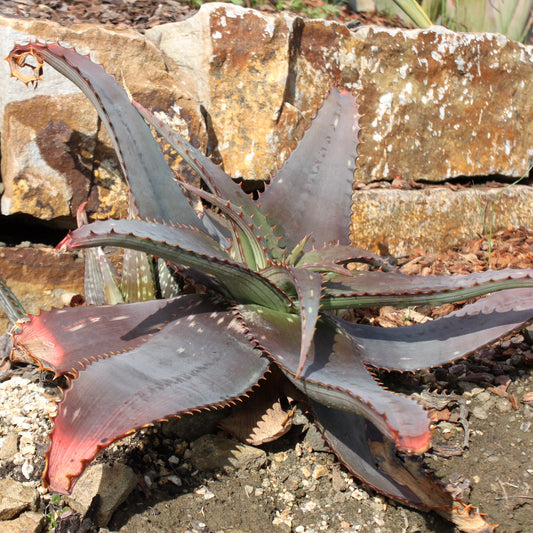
{"x": 301, "y": 487}
{"x": 481, "y": 449}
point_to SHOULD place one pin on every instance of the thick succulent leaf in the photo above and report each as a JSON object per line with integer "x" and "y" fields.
{"x": 336, "y": 376}
{"x": 332, "y": 255}
{"x": 252, "y": 253}
{"x": 372, "y": 458}
{"x": 187, "y": 247}
{"x": 372, "y": 289}
{"x": 217, "y": 180}
{"x": 66, "y": 340}
{"x": 320, "y": 169}
{"x": 156, "y": 193}
{"x": 137, "y": 279}
{"x": 100, "y": 281}
{"x": 9, "y": 303}
{"x": 199, "y": 360}
{"x": 443, "y": 340}
{"x": 101, "y": 277}
{"x": 308, "y": 286}
{"x": 169, "y": 283}
{"x": 363, "y": 449}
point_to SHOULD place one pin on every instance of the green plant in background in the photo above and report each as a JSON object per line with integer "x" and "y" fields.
{"x": 54, "y": 510}
{"x": 327, "y": 10}
{"x": 512, "y": 18}
{"x": 269, "y": 275}
{"x": 487, "y": 228}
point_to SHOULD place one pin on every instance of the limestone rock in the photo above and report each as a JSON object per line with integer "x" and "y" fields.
{"x": 211, "y": 452}
{"x": 55, "y": 154}
{"x": 396, "y": 222}
{"x": 111, "y": 483}
{"x": 440, "y": 104}
{"x": 40, "y": 171}
{"x": 39, "y": 277}
{"x": 28, "y": 522}
{"x": 242, "y": 61}
{"x": 16, "y": 498}
{"x": 437, "y": 104}
{"x": 9, "y": 447}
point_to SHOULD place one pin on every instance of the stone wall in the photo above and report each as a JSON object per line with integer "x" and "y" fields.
{"x": 438, "y": 107}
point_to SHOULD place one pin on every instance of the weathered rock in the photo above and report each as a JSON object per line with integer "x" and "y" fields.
{"x": 39, "y": 277}
{"x": 28, "y": 522}
{"x": 437, "y": 104}
{"x": 42, "y": 175}
{"x": 396, "y": 222}
{"x": 440, "y": 104}
{"x": 110, "y": 483}
{"x": 211, "y": 452}
{"x": 55, "y": 154}
{"x": 16, "y": 498}
{"x": 9, "y": 447}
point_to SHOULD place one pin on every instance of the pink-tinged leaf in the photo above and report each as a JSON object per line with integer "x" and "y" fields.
{"x": 336, "y": 376}
{"x": 448, "y": 338}
{"x": 66, "y": 340}
{"x": 320, "y": 169}
{"x": 156, "y": 194}
{"x": 198, "y": 361}
{"x": 372, "y": 289}
{"x": 373, "y": 459}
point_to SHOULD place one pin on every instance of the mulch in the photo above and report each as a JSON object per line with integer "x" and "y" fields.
{"x": 143, "y": 14}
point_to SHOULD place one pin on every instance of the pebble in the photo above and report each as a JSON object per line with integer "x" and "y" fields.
{"x": 113, "y": 483}
{"x": 16, "y": 498}
{"x": 480, "y": 412}
{"x": 503, "y": 405}
{"x": 8, "y": 447}
{"x": 28, "y": 522}
{"x": 320, "y": 471}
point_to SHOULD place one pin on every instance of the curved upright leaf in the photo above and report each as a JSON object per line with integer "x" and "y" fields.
{"x": 157, "y": 196}
{"x": 184, "y": 246}
{"x": 319, "y": 171}
{"x": 218, "y": 181}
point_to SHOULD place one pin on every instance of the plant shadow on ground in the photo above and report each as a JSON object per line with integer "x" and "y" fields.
{"x": 299, "y": 487}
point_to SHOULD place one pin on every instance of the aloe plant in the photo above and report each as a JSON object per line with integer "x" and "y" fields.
{"x": 274, "y": 272}
{"x": 512, "y": 18}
